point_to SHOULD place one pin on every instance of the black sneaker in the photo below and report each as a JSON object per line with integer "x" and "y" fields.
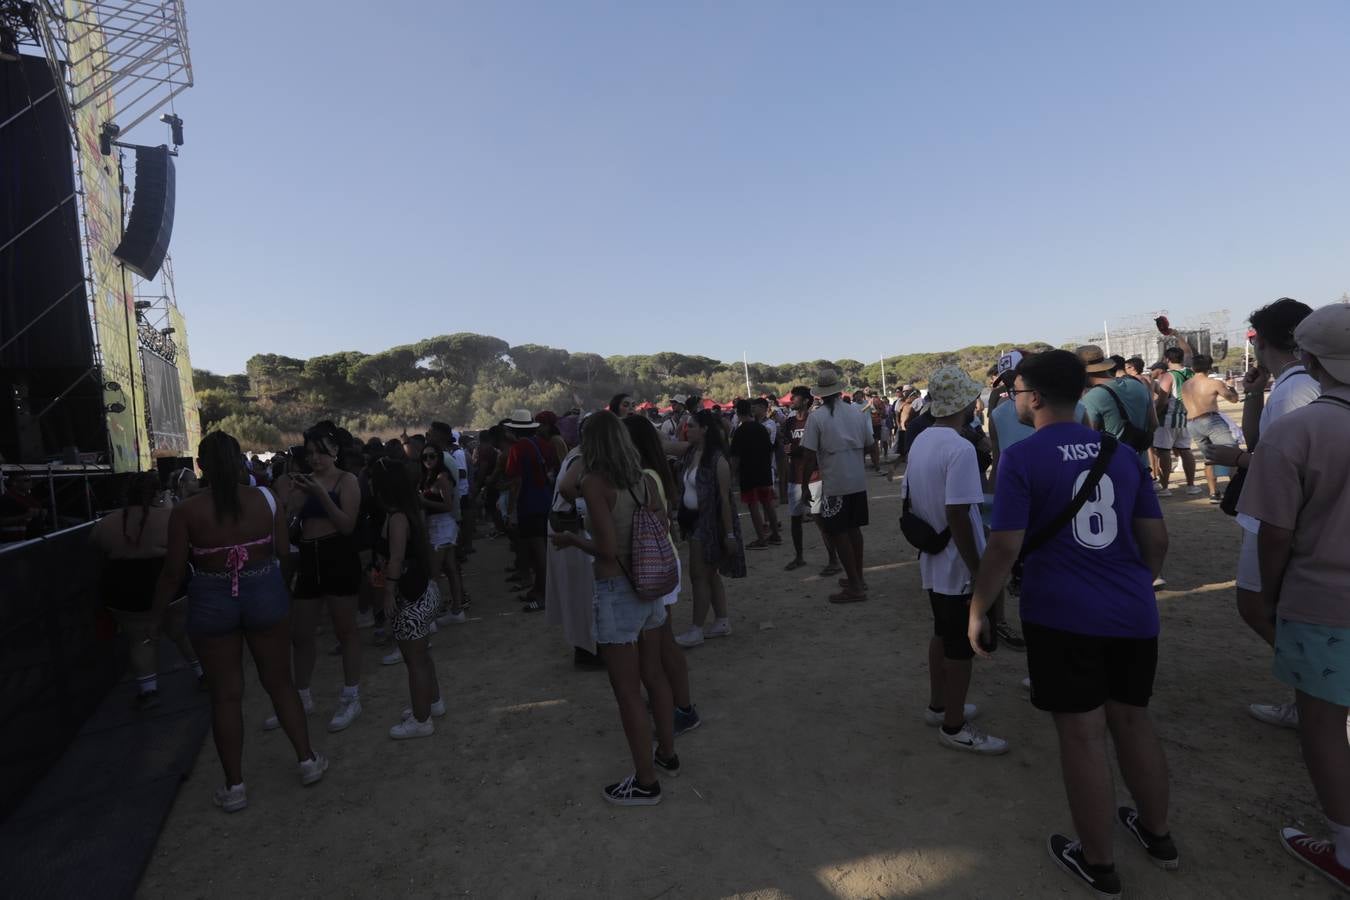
{"x": 629, "y": 793}
{"x": 1102, "y": 880}
{"x": 1010, "y": 637}
{"x": 146, "y": 700}
{"x": 686, "y": 721}
{"x": 670, "y": 765}
{"x": 1162, "y": 850}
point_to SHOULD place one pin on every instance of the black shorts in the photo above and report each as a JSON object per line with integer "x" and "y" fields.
{"x": 533, "y": 525}
{"x": 329, "y": 566}
{"x": 951, "y": 621}
{"x": 839, "y": 514}
{"x": 1076, "y": 673}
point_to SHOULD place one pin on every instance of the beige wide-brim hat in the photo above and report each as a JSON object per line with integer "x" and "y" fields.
{"x": 950, "y": 390}
{"x": 1325, "y": 333}
{"x": 1094, "y": 360}
{"x": 521, "y": 420}
{"x": 827, "y": 384}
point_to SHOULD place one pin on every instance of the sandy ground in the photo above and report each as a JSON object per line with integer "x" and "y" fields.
{"x": 813, "y": 775}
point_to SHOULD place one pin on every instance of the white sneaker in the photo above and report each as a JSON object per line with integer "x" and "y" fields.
{"x": 1194, "y": 490}
{"x": 272, "y": 723}
{"x": 1281, "y": 715}
{"x": 365, "y": 619}
{"x": 1157, "y": 487}
{"x": 452, "y": 618}
{"x": 392, "y": 658}
{"x": 312, "y": 769}
{"x": 691, "y": 638}
{"x": 935, "y": 718}
{"x": 411, "y": 728}
{"x": 231, "y": 798}
{"x": 1164, "y": 492}
{"x": 347, "y": 712}
{"x": 1159, "y": 582}
{"x": 972, "y": 740}
{"x": 437, "y": 709}
{"x": 719, "y": 628}
{"x": 1026, "y": 683}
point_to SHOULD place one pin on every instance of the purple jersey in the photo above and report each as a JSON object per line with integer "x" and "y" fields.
{"x": 1089, "y": 578}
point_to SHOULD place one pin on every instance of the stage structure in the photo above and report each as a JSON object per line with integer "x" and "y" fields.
{"x": 94, "y": 368}
{"x": 1137, "y": 335}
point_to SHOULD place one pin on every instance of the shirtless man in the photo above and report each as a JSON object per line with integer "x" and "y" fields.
{"x": 1203, "y": 423}
{"x": 1172, "y": 434}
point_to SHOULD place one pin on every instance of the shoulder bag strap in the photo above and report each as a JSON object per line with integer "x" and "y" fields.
{"x": 1120, "y": 407}
{"x": 1037, "y": 540}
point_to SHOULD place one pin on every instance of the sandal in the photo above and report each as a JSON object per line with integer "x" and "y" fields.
{"x": 846, "y": 584}
{"x": 847, "y": 596}
{"x": 830, "y": 570}
{"x": 795, "y": 564}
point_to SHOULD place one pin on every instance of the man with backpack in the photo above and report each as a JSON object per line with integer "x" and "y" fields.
{"x": 1080, "y": 515}
{"x": 1171, "y": 434}
{"x": 1118, "y": 406}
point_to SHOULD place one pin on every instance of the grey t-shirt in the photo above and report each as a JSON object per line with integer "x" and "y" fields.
{"x": 838, "y": 441}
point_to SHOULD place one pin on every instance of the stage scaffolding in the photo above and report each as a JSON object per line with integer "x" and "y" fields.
{"x": 121, "y": 61}
{"x": 1210, "y": 333}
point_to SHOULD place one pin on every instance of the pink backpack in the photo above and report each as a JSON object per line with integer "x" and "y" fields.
{"x": 655, "y": 572}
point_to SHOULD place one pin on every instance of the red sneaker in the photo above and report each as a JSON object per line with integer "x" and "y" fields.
{"x": 1319, "y": 855}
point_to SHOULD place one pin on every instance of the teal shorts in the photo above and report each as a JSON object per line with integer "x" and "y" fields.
{"x": 1314, "y": 659}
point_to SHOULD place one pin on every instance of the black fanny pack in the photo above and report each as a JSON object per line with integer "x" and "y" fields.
{"x": 922, "y": 536}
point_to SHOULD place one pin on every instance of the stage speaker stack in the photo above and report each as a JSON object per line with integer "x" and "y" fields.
{"x": 150, "y": 225}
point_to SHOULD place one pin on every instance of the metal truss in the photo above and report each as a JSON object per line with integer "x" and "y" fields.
{"x": 140, "y": 64}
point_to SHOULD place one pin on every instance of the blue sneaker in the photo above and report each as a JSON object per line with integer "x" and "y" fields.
{"x": 686, "y": 721}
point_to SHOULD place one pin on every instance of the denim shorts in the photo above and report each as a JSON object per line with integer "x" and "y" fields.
{"x": 1210, "y": 430}
{"x": 620, "y": 615}
{"x": 1314, "y": 659}
{"x": 262, "y": 601}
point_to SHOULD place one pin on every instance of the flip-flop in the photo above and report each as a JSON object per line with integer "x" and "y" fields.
{"x": 846, "y": 584}
{"x": 795, "y": 564}
{"x": 830, "y": 570}
{"x": 847, "y": 597}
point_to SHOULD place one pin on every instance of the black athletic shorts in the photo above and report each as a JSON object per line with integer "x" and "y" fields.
{"x": 1076, "y": 673}
{"x": 839, "y": 514}
{"x": 951, "y": 621}
{"x": 533, "y": 525}
{"x": 329, "y": 566}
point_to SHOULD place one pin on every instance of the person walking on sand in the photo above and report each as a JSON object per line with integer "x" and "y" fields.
{"x": 805, "y": 491}
{"x": 1204, "y": 423}
{"x": 838, "y": 437}
{"x": 1078, "y": 509}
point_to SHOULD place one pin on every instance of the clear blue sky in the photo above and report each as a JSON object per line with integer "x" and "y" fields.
{"x": 795, "y": 180}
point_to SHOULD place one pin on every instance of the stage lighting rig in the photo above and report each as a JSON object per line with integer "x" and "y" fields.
{"x": 107, "y": 136}
{"x": 175, "y": 127}
{"x": 115, "y": 408}
{"x": 18, "y": 22}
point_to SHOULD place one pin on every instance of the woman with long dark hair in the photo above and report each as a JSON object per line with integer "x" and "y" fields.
{"x": 440, "y": 498}
{"x": 235, "y": 535}
{"x": 647, "y": 440}
{"x": 627, "y": 628}
{"x": 621, "y": 404}
{"x": 327, "y": 501}
{"x": 709, "y": 522}
{"x": 404, "y": 565}
{"x": 133, "y": 541}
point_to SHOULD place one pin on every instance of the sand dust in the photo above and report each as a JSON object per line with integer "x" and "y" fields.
{"x": 813, "y": 775}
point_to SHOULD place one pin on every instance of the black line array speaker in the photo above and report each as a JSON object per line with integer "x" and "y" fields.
{"x": 150, "y": 224}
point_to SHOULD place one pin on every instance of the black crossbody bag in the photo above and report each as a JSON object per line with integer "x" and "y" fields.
{"x": 1039, "y": 539}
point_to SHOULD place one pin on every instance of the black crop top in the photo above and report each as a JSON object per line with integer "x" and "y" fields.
{"x": 412, "y": 584}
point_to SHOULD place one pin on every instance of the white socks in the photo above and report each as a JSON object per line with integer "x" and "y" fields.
{"x": 1342, "y": 839}
{"x": 351, "y": 692}
{"x": 304, "y": 697}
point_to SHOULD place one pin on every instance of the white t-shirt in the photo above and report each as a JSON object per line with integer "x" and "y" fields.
{"x": 838, "y": 441}
{"x": 943, "y": 472}
{"x": 772, "y": 427}
{"x": 461, "y": 471}
{"x": 1294, "y": 389}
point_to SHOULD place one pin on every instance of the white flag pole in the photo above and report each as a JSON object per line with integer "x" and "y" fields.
{"x": 746, "y": 362}
{"x": 883, "y": 375}
{"x": 1106, "y": 335}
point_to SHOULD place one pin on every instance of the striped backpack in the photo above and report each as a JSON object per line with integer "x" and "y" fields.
{"x": 655, "y": 572}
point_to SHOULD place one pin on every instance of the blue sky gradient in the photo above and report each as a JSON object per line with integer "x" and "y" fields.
{"x": 793, "y": 180}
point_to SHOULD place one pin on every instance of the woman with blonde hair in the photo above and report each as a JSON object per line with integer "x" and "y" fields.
{"x": 627, "y": 628}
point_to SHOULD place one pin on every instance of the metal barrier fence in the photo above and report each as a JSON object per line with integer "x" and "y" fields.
{"x": 57, "y": 661}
